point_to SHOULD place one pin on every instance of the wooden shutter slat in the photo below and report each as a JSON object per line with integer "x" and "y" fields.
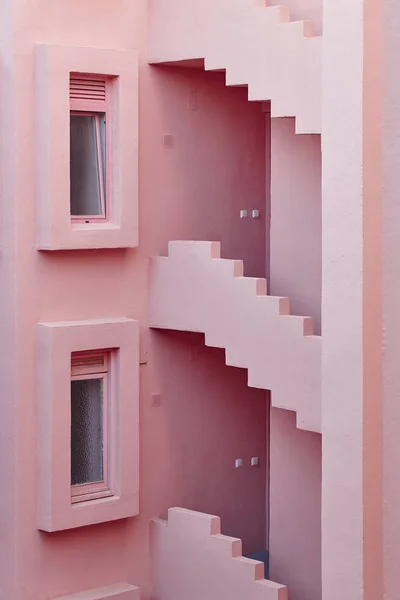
{"x": 88, "y": 361}
{"x": 87, "y": 89}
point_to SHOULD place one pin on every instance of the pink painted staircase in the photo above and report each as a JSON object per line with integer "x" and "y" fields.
{"x": 257, "y": 45}
{"x": 193, "y": 289}
{"x": 191, "y": 560}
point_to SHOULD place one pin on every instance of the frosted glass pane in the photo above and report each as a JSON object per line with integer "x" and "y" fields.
{"x": 86, "y": 431}
{"x": 84, "y": 165}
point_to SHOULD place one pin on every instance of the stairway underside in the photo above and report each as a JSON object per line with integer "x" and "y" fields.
{"x": 258, "y": 46}
{"x": 193, "y": 289}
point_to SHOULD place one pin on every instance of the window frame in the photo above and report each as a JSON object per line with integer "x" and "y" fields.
{"x": 80, "y": 107}
{"x": 97, "y": 489}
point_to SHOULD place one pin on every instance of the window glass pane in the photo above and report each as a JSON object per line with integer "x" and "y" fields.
{"x": 86, "y": 431}
{"x": 85, "y": 166}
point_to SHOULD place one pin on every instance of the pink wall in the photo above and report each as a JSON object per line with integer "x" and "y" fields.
{"x": 268, "y": 126}
{"x": 193, "y": 190}
{"x": 7, "y": 306}
{"x": 391, "y": 299}
{"x": 45, "y": 561}
{"x": 352, "y": 187}
{"x": 296, "y": 231}
{"x": 295, "y": 271}
{"x": 203, "y": 416}
{"x": 295, "y": 507}
{"x": 215, "y": 168}
{"x": 304, "y": 9}
{"x": 192, "y": 430}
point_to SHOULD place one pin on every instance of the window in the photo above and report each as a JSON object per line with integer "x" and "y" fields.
{"x": 86, "y": 148}
{"x": 89, "y": 140}
{"x": 99, "y": 423}
{"x": 90, "y": 397}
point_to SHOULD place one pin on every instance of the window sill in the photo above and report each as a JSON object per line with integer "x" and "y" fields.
{"x": 96, "y": 225}
{"x": 87, "y": 236}
{"x": 117, "y": 591}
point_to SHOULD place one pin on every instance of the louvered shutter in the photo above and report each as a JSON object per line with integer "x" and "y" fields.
{"x": 89, "y": 363}
{"x": 90, "y": 91}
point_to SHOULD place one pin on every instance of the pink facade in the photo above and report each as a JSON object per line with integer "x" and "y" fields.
{"x": 199, "y": 310}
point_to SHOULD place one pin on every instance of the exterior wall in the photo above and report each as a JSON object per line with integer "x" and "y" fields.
{"x": 203, "y": 416}
{"x": 191, "y": 190}
{"x": 185, "y": 471}
{"x": 295, "y": 271}
{"x": 202, "y": 159}
{"x": 59, "y": 287}
{"x": 295, "y": 507}
{"x": 391, "y": 297}
{"x": 304, "y": 9}
{"x": 8, "y": 411}
{"x": 352, "y": 500}
{"x": 202, "y": 185}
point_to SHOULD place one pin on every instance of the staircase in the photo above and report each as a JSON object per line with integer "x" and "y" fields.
{"x": 190, "y": 559}
{"x": 257, "y": 45}
{"x": 193, "y": 289}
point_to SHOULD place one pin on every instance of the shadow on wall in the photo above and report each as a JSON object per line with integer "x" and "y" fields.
{"x": 211, "y": 164}
{"x": 207, "y": 419}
